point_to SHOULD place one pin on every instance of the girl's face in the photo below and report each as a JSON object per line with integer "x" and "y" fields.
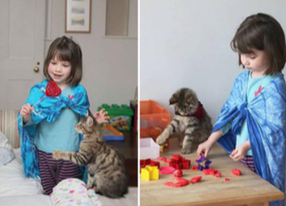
{"x": 59, "y": 71}
{"x": 257, "y": 62}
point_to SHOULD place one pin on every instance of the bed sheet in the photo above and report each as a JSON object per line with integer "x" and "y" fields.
{"x": 26, "y": 200}
{"x": 14, "y": 183}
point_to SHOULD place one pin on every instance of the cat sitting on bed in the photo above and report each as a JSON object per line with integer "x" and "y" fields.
{"x": 107, "y": 173}
{"x": 190, "y": 118}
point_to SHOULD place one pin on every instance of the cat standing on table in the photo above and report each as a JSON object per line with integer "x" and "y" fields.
{"x": 190, "y": 118}
{"x": 252, "y": 123}
{"x": 50, "y": 125}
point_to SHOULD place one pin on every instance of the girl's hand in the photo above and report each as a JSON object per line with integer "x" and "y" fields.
{"x": 26, "y": 112}
{"x": 101, "y": 116}
{"x": 204, "y": 148}
{"x": 240, "y": 152}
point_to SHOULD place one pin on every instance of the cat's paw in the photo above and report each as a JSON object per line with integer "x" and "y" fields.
{"x": 160, "y": 140}
{"x": 186, "y": 151}
{"x": 56, "y": 155}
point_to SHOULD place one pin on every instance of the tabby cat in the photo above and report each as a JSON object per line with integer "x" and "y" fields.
{"x": 107, "y": 173}
{"x": 190, "y": 118}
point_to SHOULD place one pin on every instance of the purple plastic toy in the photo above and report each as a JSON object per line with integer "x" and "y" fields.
{"x": 202, "y": 159}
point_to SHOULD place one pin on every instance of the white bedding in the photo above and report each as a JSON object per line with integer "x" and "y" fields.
{"x": 26, "y": 200}
{"x": 13, "y": 181}
{"x": 15, "y": 189}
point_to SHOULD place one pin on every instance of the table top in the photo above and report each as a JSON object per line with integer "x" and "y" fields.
{"x": 248, "y": 188}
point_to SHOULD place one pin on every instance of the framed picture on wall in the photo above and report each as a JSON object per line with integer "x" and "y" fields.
{"x": 77, "y": 16}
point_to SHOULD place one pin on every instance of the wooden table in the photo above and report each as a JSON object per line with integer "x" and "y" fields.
{"x": 248, "y": 189}
{"x": 129, "y": 148}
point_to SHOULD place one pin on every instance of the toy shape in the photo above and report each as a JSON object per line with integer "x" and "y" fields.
{"x": 181, "y": 182}
{"x": 218, "y": 175}
{"x": 178, "y": 173}
{"x": 226, "y": 179}
{"x": 109, "y": 133}
{"x": 167, "y": 170}
{"x": 179, "y": 162}
{"x": 196, "y": 179}
{"x": 203, "y": 159}
{"x": 164, "y": 146}
{"x": 236, "y": 172}
{"x": 195, "y": 167}
{"x": 210, "y": 171}
{"x": 145, "y": 162}
{"x": 162, "y": 159}
{"x": 150, "y": 173}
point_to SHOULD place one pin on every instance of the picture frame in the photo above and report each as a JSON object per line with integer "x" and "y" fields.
{"x": 77, "y": 16}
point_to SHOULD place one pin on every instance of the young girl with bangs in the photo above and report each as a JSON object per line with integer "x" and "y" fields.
{"x": 50, "y": 124}
{"x": 252, "y": 124}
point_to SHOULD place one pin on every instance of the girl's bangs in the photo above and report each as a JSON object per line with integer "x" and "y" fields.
{"x": 62, "y": 54}
{"x": 248, "y": 40}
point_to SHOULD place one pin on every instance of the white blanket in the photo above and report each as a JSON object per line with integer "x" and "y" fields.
{"x": 16, "y": 190}
{"x": 14, "y": 183}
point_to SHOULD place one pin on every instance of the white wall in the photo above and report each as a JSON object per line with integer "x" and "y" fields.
{"x": 110, "y": 63}
{"x": 186, "y": 43}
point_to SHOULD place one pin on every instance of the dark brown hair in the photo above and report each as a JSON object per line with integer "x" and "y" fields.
{"x": 261, "y": 32}
{"x": 66, "y": 50}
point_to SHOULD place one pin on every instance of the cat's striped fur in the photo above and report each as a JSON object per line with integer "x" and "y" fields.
{"x": 107, "y": 173}
{"x": 195, "y": 129}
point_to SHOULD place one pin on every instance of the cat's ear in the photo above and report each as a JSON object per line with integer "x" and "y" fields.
{"x": 89, "y": 113}
{"x": 89, "y": 121}
{"x": 174, "y": 98}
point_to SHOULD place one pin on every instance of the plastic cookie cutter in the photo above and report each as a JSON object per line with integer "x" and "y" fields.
{"x": 203, "y": 159}
{"x": 150, "y": 173}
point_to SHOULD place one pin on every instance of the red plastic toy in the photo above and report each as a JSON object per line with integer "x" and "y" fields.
{"x": 218, "y": 175}
{"x": 178, "y": 173}
{"x": 166, "y": 170}
{"x": 145, "y": 162}
{"x": 196, "y": 179}
{"x": 179, "y": 162}
{"x": 210, "y": 171}
{"x": 236, "y": 172}
{"x": 181, "y": 183}
{"x": 195, "y": 168}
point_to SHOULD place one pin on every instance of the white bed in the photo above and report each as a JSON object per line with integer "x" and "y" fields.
{"x": 16, "y": 190}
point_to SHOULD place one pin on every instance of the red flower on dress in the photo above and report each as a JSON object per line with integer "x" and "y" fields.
{"x": 71, "y": 97}
{"x": 259, "y": 90}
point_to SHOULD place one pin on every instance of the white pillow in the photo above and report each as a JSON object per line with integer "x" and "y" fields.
{"x": 4, "y": 142}
{"x": 6, "y": 156}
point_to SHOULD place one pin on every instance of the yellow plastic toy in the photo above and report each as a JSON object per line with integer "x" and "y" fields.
{"x": 150, "y": 173}
{"x": 162, "y": 147}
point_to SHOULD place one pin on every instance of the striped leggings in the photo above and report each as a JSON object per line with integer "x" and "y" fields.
{"x": 249, "y": 162}
{"x": 53, "y": 171}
